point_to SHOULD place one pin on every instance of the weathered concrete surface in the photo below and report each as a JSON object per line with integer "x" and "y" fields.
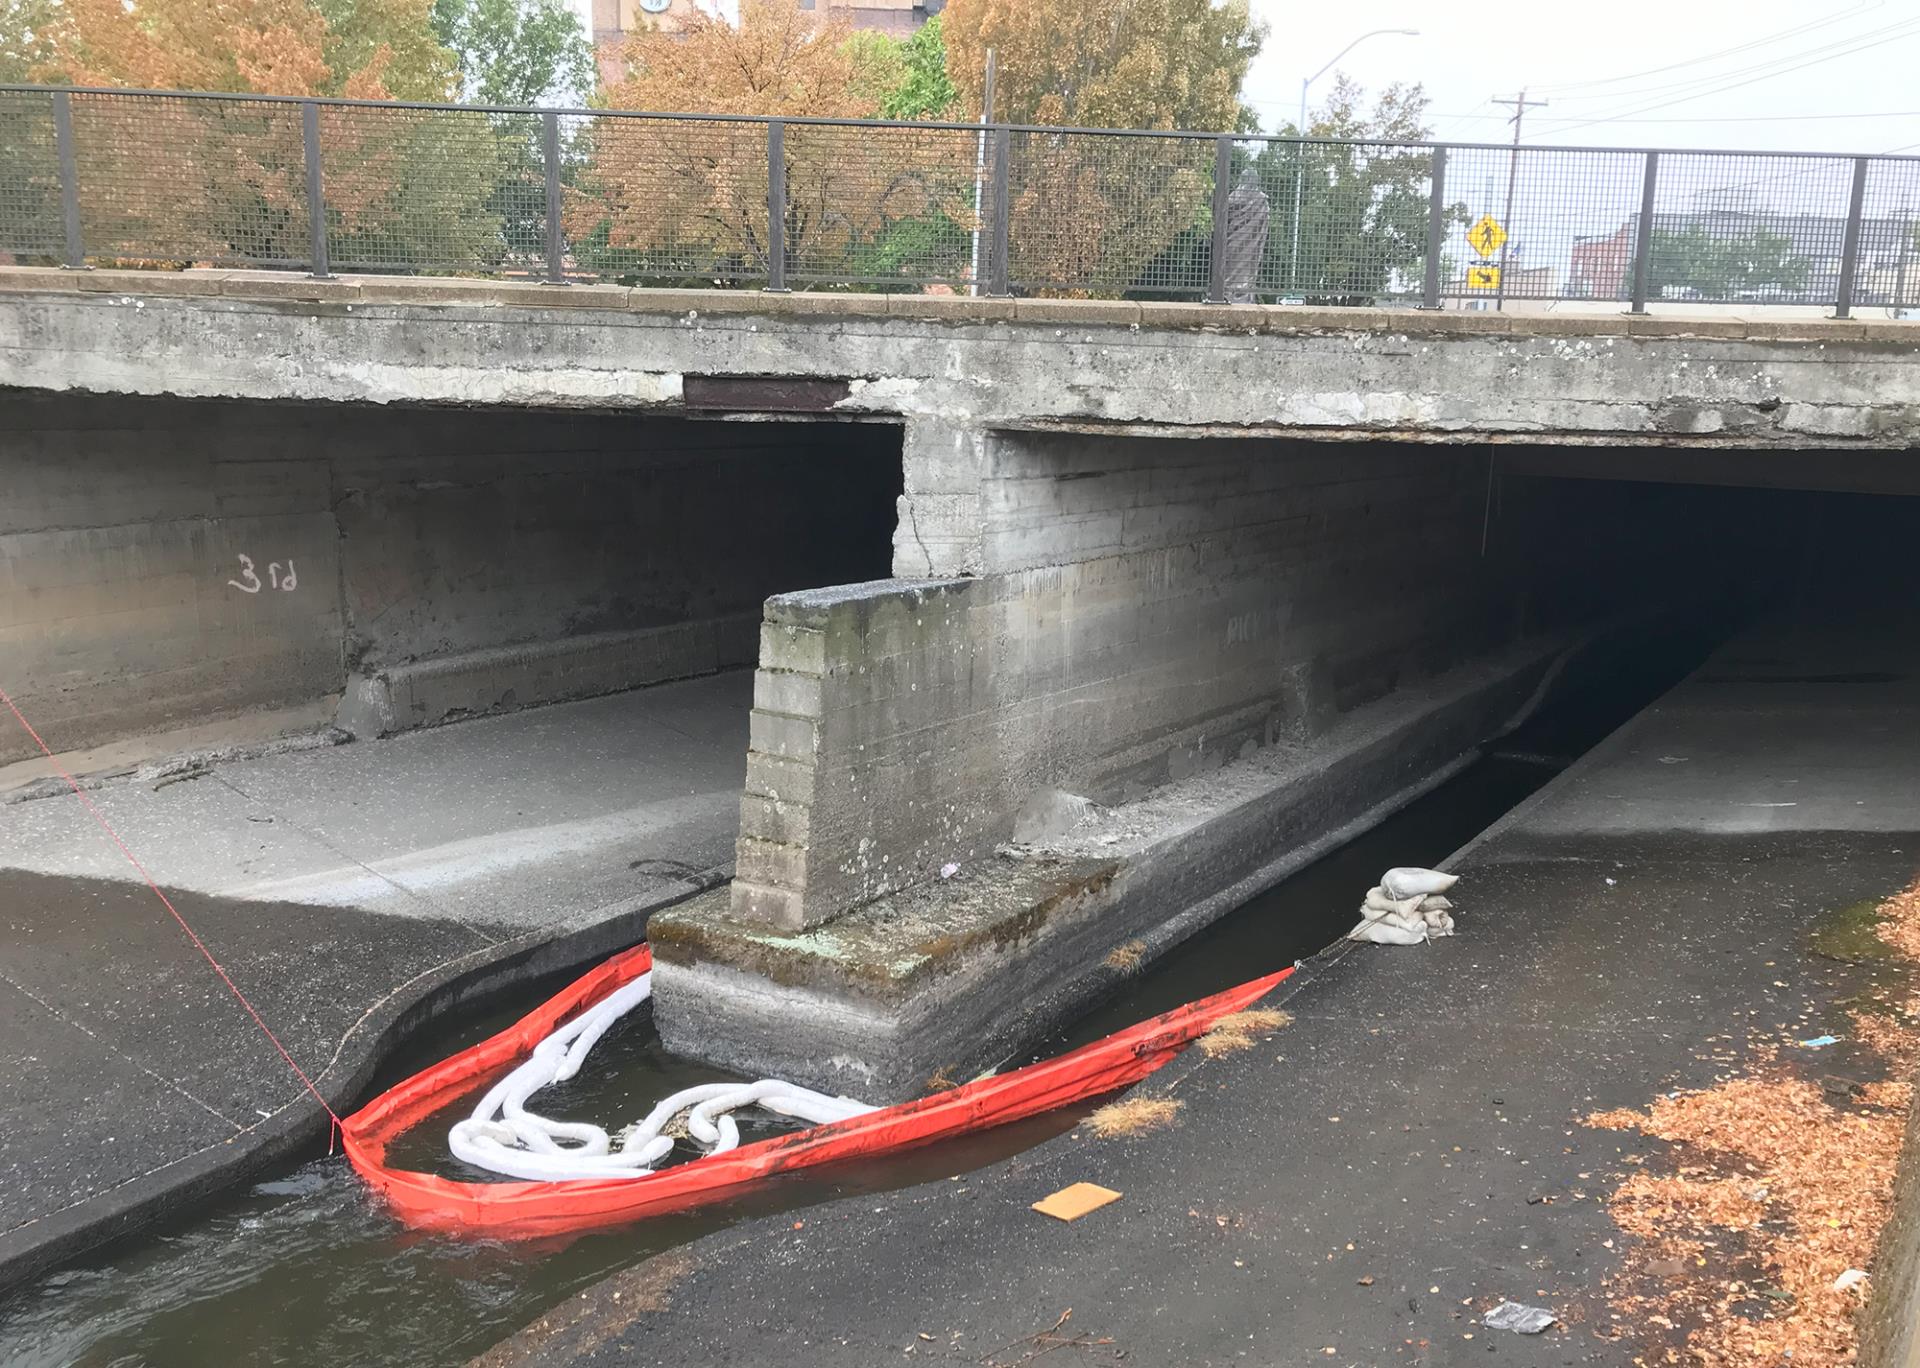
{"x": 354, "y": 893}
{"x": 165, "y": 561}
{"x": 1364, "y": 1185}
{"x": 1142, "y": 610}
{"x": 1722, "y": 380}
{"x": 956, "y": 975}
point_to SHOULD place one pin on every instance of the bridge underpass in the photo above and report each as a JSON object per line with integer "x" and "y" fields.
{"x": 1240, "y": 647}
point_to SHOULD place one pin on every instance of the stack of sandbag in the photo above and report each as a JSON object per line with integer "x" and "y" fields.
{"x": 1407, "y": 907}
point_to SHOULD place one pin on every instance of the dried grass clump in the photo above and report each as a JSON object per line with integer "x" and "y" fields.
{"x": 1134, "y": 1115}
{"x": 1771, "y": 1167}
{"x": 1242, "y": 1030}
{"x": 1127, "y": 958}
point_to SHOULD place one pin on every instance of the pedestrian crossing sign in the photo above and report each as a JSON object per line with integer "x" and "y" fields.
{"x": 1483, "y": 277}
{"x": 1486, "y": 236}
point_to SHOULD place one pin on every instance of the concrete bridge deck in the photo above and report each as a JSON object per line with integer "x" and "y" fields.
{"x": 1362, "y": 1187}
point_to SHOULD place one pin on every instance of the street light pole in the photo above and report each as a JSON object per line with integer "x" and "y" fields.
{"x": 1299, "y": 148}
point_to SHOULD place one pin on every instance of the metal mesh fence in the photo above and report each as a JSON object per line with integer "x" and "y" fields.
{"x": 1888, "y": 273}
{"x": 174, "y": 180}
{"x": 441, "y": 190}
{"x": 882, "y": 206}
{"x": 30, "y": 224}
{"x": 1350, "y": 221}
{"x": 1540, "y": 223}
{"x": 664, "y": 201}
{"x": 1733, "y": 228}
{"x": 1101, "y": 213}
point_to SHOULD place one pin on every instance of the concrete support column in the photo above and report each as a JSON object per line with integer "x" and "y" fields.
{"x": 858, "y": 769}
{"x": 942, "y": 523}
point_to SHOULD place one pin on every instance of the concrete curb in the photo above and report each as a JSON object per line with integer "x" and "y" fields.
{"x": 1721, "y": 323}
{"x": 1890, "y": 1334}
{"x": 426, "y": 693}
{"x": 299, "y": 1127}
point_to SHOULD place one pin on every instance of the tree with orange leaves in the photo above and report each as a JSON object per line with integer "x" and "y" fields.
{"x": 680, "y": 198}
{"x": 1088, "y": 213}
{"x": 225, "y": 180}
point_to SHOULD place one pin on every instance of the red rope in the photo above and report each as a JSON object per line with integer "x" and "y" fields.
{"x": 167, "y": 903}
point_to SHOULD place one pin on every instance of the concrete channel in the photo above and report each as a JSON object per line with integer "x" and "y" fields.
{"x": 914, "y": 674}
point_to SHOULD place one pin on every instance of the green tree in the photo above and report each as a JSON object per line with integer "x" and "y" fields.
{"x": 923, "y": 90}
{"x": 517, "y": 52}
{"x": 1362, "y": 206}
{"x": 1697, "y": 264}
{"x": 26, "y": 38}
{"x": 1360, "y": 231}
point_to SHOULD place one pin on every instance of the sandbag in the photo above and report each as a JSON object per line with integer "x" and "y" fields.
{"x": 1408, "y": 883}
{"x": 1406, "y": 907}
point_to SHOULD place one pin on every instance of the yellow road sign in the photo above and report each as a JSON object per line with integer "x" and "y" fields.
{"x": 1483, "y": 277}
{"x": 1486, "y": 236}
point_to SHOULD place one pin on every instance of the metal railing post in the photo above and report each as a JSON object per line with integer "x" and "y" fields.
{"x": 316, "y": 189}
{"x": 998, "y": 272}
{"x": 1643, "y": 237}
{"x": 76, "y": 251}
{"x": 1436, "y": 230}
{"x": 776, "y": 206}
{"x": 1217, "y": 263}
{"x": 1850, "y": 243}
{"x": 556, "y": 237}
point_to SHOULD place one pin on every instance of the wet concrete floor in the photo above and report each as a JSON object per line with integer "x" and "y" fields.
{"x": 1361, "y": 1186}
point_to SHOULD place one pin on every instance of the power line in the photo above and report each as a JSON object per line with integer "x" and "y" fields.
{"x": 1852, "y": 42}
{"x": 1738, "y": 118}
{"x": 1912, "y": 27}
{"x": 1748, "y": 46}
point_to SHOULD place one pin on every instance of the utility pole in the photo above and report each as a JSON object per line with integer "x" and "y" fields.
{"x": 1521, "y": 104}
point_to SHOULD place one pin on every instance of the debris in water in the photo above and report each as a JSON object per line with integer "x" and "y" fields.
{"x": 1525, "y": 1320}
{"x": 1127, "y": 957}
{"x": 1820, "y": 1042}
{"x": 1072, "y": 1202}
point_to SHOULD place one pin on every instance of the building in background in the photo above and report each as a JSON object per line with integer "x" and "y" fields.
{"x": 613, "y": 20}
{"x": 1888, "y": 271}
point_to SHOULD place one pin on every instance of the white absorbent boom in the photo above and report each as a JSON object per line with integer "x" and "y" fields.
{"x": 502, "y": 1136}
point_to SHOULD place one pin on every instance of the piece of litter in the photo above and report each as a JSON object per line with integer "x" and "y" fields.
{"x": 947, "y": 871}
{"x": 1071, "y": 1203}
{"x": 1525, "y": 1320}
{"x": 1820, "y": 1042}
{"x": 1853, "y": 1277}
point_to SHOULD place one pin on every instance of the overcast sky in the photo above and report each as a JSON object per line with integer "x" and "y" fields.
{"x": 1739, "y": 73}
{"x": 1798, "y": 61}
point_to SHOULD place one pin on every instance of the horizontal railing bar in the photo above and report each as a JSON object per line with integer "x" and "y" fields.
{"x": 1271, "y": 139}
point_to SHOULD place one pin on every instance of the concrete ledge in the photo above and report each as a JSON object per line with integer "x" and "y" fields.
{"x": 953, "y": 976}
{"x": 428, "y": 692}
{"x": 1666, "y": 320}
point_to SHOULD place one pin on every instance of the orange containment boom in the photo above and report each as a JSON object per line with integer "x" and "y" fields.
{"x": 522, "y": 1209}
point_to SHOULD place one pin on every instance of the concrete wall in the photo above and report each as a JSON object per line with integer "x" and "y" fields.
{"x": 1146, "y": 608}
{"x": 478, "y": 559}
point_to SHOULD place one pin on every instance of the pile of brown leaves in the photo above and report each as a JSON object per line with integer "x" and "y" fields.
{"x": 1772, "y": 1170}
